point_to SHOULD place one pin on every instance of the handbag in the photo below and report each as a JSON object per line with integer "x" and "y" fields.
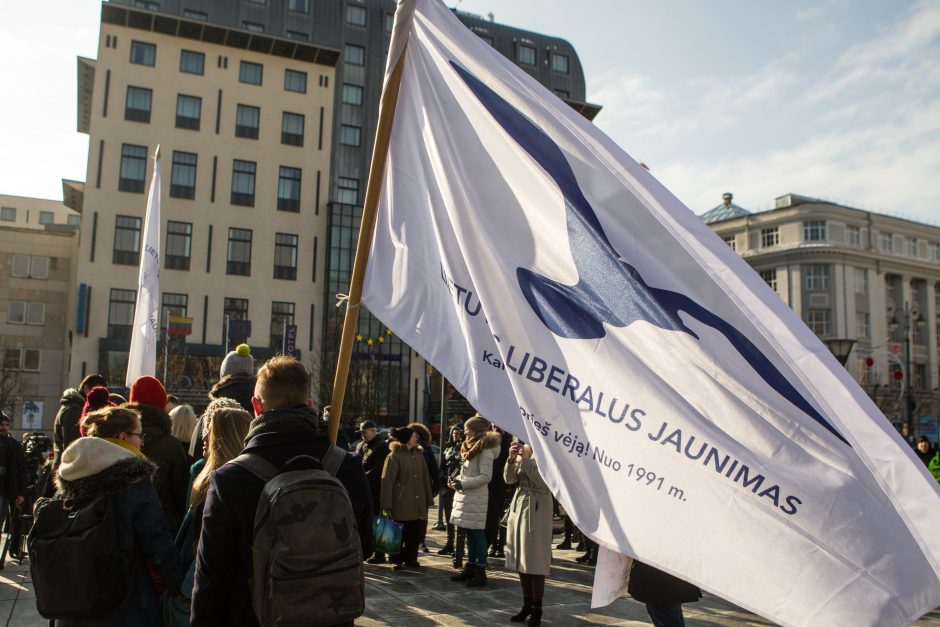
{"x": 388, "y": 534}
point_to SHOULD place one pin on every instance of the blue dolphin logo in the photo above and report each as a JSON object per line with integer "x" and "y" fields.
{"x": 609, "y": 290}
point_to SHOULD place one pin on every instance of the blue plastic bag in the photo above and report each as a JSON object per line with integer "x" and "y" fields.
{"x": 387, "y": 535}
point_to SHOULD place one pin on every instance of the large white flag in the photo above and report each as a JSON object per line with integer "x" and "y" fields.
{"x": 142, "y": 358}
{"x": 679, "y": 409}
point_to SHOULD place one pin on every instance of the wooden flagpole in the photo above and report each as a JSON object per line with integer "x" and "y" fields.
{"x": 370, "y": 207}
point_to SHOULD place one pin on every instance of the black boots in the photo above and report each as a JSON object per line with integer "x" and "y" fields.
{"x": 466, "y": 574}
{"x": 459, "y": 550}
{"x": 536, "y": 618}
{"x": 524, "y": 612}
{"x": 565, "y": 544}
{"x": 478, "y": 578}
{"x": 449, "y": 547}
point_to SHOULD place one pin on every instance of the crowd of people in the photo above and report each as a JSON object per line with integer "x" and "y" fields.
{"x": 246, "y": 514}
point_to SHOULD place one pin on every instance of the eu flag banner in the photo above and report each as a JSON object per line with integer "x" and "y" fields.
{"x": 679, "y": 410}
{"x": 142, "y": 357}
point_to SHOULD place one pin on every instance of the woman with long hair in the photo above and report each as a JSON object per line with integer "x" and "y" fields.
{"x": 184, "y": 421}
{"x": 477, "y": 452}
{"x": 109, "y": 463}
{"x": 224, "y": 427}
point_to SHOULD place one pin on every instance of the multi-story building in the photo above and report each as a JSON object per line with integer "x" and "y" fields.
{"x": 387, "y": 379}
{"x": 38, "y": 246}
{"x": 854, "y": 275}
{"x": 244, "y": 121}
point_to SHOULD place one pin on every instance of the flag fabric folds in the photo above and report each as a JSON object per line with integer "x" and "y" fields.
{"x": 679, "y": 410}
{"x": 142, "y": 358}
{"x": 180, "y": 325}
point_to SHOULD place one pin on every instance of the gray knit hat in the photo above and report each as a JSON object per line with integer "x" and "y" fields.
{"x": 239, "y": 361}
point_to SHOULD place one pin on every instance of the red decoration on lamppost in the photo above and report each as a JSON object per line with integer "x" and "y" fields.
{"x": 898, "y": 375}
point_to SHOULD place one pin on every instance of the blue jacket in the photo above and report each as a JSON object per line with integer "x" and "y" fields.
{"x": 221, "y": 595}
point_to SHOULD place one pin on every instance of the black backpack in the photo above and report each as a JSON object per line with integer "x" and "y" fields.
{"x": 305, "y": 550}
{"x": 77, "y": 567}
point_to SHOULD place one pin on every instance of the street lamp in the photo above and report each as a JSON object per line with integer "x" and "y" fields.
{"x": 912, "y": 320}
{"x": 840, "y": 348}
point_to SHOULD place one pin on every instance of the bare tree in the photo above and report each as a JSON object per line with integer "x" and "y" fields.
{"x": 11, "y": 382}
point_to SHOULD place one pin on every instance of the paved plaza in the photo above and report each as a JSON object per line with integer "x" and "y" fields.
{"x": 428, "y": 597}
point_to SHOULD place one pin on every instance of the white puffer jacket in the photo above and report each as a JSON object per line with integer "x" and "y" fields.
{"x": 475, "y": 474}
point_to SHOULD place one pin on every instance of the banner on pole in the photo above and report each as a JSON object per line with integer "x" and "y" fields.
{"x": 679, "y": 410}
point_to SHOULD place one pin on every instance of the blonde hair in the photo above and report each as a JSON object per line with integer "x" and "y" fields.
{"x": 110, "y": 422}
{"x": 184, "y": 422}
{"x": 227, "y": 427}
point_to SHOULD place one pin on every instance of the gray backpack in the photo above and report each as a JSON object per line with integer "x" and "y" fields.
{"x": 306, "y": 553}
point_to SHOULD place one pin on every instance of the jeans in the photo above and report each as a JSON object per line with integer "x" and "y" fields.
{"x": 666, "y": 615}
{"x": 476, "y": 550}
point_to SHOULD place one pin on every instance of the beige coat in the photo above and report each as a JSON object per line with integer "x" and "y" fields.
{"x": 406, "y": 488}
{"x": 475, "y": 474}
{"x": 529, "y": 530}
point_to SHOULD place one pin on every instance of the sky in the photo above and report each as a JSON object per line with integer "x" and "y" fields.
{"x": 834, "y": 99}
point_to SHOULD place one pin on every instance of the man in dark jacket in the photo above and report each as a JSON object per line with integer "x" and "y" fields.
{"x": 284, "y": 427}
{"x": 148, "y": 398}
{"x": 373, "y": 450}
{"x": 65, "y": 428}
{"x": 12, "y": 468}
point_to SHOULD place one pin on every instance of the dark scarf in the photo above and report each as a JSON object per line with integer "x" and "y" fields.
{"x": 295, "y": 418}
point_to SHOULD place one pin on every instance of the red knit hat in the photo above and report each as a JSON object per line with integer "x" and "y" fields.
{"x": 147, "y": 390}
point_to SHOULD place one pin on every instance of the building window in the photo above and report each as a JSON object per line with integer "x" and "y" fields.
{"x": 350, "y": 135}
{"x": 133, "y": 168}
{"x": 143, "y": 53}
{"x": 562, "y": 93}
{"x": 731, "y": 241}
{"x": 243, "y": 183}
{"x": 300, "y": 6}
{"x": 74, "y": 220}
{"x": 20, "y": 267}
{"x": 126, "y": 241}
{"x": 16, "y": 312}
{"x": 770, "y": 278}
{"x": 297, "y": 35}
{"x": 285, "y": 256}
{"x": 195, "y": 15}
{"x": 861, "y": 280}
{"x": 817, "y": 277}
{"x": 814, "y": 231}
{"x": 46, "y": 217}
{"x": 239, "y": 252}
{"x": 253, "y": 27}
{"x": 525, "y": 54}
{"x": 183, "y": 175}
{"x": 769, "y": 237}
{"x": 22, "y": 312}
{"x": 354, "y": 55}
{"x": 819, "y": 322}
{"x": 486, "y": 38}
{"x": 853, "y": 235}
{"x": 560, "y": 63}
{"x": 235, "y": 309}
{"x": 247, "y": 121}
{"x": 862, "y": 325}
{"x": 121, "y": 314}
{"x": 179, "y": 237}
{"x": 355, "y": 16}
{"x": 352, "y": 94}
{"x": 288, "y": 189}
{"x": 250, "y": 73}
{"x": 39, "y": 267}
{"x": 192, "y": 62}
{"x": 188, "y": 111}
{"x": 933, "y": 251}
{"x": 8, "y": 214}
{"x": 295, "y": 81}
{"x": 147, "y": 4}
{"x": 347, "y": 191}
{"x": 910, "y": 246}
{"x": 887, "y": 242}
{"x": 12, "y": 359}
{"x": 292, "y": 129}
{"x": 281, "y": 314}
{"x": 172, "y": 305}
{"x": 31, "y": 361}
{"x": 137, "y": 105}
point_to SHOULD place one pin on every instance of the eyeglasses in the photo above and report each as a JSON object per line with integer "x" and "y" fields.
{"x": 140, "y": 435}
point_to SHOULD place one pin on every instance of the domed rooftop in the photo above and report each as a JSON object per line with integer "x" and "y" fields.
{"x": 725, "y": 211}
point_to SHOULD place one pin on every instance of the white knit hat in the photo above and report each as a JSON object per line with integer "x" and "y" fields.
{"x": 239, "y": 361}
{"x": 88, "y": 456}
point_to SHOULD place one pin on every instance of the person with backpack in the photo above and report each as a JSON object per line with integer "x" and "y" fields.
{"x": 302, "y": 563}
{"x": 226, "y": 425}
{"x": 406, "y": 493}
{"x": 148, "y": 398}
{"x": 95, "y": 547}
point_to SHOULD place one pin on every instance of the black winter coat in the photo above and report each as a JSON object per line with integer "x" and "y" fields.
{"x": 373, "y": 456}
{"x": 12, "y": 467}
{"x": 240, "y": 387}
{"x": 649, "y": 585}
{"x": 65, "y": 428}
{"x": 221, "y": 595}
{"x": 172, "y": 464}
